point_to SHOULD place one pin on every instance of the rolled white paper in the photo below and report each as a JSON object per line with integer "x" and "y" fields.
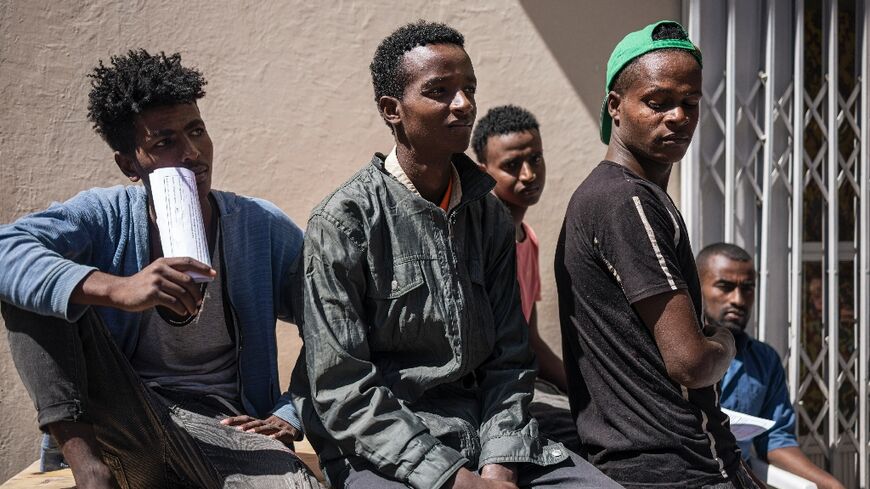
{"x": 179, "y": 218}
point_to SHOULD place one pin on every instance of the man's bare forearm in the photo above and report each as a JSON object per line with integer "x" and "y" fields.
{"x": 165, "y": 282}
{"x": 692, "y": 358}
{"x": 792, "y": 459}
{"x": 719, "y": 352}
{"x": 95, "y": 290}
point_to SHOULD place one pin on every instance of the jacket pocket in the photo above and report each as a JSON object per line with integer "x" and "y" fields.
{"x": 398, "y": 307}
{"x": 396, "y": 281}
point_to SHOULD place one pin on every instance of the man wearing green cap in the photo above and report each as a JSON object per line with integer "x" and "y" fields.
{"x": 642, "y": 372}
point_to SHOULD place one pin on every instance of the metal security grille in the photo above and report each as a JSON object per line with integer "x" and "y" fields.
{"x": 779, "y": 165}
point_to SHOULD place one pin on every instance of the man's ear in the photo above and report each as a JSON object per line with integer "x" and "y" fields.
{"x": 613, "y": 101}
{"x": 127, "y": 165}
{"x": 390, "y": 109}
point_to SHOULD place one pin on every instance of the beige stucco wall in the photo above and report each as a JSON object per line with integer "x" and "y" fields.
{"x": 289, "y": 104}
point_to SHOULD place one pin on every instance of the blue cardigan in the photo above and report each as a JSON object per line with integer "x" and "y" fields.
{"x": 44, "y": 256}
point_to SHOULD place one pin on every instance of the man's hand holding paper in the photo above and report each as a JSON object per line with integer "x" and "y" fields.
{"x": 165, "y": 282}
{"x": 179, "y": 217}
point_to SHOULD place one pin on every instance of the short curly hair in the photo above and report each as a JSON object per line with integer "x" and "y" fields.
{"x": 504, "y": 119}
{"x": 133, "y": 83}
{"x": 388, "y": 77}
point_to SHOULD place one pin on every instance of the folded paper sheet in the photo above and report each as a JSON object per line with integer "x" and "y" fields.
{"x": 179, "y": 218}
{"x": 746, "y": 427}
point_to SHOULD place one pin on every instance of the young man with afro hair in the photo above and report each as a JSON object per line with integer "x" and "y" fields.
{"x": 642, "y": 370}
{"x": 416, "y": 349}
{"x": 144, "y": 377}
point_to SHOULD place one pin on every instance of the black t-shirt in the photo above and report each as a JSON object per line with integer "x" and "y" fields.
{"x": 623, "y": 240}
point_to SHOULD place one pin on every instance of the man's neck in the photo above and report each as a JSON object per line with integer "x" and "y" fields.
{"x": 656, "y": 172}
{"x": 429, "y": 173}
{"x": 518, "y": 214}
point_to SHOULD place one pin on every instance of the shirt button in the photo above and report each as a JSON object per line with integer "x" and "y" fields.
{"x": 556, "y": 453}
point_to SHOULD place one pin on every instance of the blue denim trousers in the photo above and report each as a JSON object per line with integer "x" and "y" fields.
{"x": 149, "y": 438}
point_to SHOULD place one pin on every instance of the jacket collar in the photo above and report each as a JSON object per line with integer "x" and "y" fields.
{"x": 474, "y": 182}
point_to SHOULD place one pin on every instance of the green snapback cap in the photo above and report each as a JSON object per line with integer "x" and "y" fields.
{"x": 631, "y": 46}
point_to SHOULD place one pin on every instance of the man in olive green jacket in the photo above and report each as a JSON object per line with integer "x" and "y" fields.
{"x": 416, "y": 352}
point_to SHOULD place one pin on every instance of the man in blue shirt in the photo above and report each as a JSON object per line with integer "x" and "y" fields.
{"x": 144, "y": 377}
{"x": 755, "y": 382}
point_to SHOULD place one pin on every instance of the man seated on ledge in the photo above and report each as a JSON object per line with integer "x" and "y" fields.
{"x": 755, "y": 381}
{"x": 145, "y": 378}
{"x": 508, "y": 146}
{"x": 642, "y": 370}
{"x": 415, "y": 345}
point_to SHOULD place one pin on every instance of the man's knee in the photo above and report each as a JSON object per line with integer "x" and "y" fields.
{"x": 18, "y": 319}
{"x": 23, "y": 325}
{"x": 46, "y": 353}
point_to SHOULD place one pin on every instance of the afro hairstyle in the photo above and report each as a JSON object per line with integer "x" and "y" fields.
{"x": 504, "y": 119}
{"x": 388, "y": 77}
{"x": 133, "y": 83}
{"x": 629, "y": 73}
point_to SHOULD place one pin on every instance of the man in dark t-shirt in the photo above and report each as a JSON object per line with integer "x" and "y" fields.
{"x": 642, "y": 373}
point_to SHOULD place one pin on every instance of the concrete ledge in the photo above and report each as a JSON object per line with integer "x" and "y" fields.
{"x": 31, "y": 477}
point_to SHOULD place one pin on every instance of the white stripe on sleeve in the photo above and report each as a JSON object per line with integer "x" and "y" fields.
{"x": 655, "y": 245}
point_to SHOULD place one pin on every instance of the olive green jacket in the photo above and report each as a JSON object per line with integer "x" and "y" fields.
{"x": 416, "y": 348}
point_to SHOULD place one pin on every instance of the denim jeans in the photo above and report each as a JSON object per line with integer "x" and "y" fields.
{"x": 75, "y": 372}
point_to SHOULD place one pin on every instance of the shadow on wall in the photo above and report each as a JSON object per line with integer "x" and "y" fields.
{"x": 580, "y": 36}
